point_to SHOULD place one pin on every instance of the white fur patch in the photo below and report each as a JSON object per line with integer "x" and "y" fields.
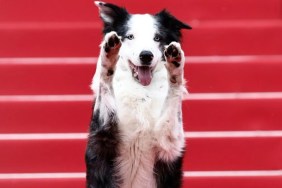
{"x": 138, "y": 108}
{"x": 143, "y": 27}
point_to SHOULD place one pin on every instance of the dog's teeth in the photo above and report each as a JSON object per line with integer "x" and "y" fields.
{"x": 135, "y": 74}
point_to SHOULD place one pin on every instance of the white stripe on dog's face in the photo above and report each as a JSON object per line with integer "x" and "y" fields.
{"x": 142, "y": 30}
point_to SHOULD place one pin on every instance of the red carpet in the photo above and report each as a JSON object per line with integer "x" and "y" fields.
{"x": 48, "y": 51}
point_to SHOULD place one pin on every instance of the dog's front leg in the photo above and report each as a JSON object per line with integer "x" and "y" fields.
{"x": 103, "y": 138}
{"x": 169, "y": 134}
{"x": 169, "y": 129}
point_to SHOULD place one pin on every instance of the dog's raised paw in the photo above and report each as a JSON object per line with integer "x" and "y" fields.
{"x": 174, "y": 62}
{"x": 173, "y": 54}
{"x": 112, "y": 43}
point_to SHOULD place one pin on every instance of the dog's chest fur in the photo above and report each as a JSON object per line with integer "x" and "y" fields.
{"x": 138, "y": 110}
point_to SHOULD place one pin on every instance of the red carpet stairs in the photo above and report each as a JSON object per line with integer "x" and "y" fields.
{"x": 232, "y": 116}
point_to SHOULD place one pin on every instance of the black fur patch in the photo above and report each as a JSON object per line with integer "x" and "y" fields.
{"x": 119, "y": 17}
{"x": 110, "y": 72}
{"x": 176, "y": 64}
{"x": 169, "y": 27}
{"x": 101, "y": 152}
{"x": 168, "y": 175}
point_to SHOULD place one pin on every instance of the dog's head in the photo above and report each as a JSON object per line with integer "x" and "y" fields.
{"x": 143, "y": 37}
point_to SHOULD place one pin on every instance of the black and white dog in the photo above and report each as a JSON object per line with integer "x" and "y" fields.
{"x": 136, "y": 135}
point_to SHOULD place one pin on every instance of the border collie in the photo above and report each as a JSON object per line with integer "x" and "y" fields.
{"x": 136, "y": 135}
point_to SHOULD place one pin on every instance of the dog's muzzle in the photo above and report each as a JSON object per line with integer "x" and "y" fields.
{"x": 142, "y": 74}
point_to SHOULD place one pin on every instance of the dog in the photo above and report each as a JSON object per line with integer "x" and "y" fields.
{"x": 136, "y": 137}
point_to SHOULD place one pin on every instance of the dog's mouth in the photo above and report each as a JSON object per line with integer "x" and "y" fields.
{"x": 142, "y": 74}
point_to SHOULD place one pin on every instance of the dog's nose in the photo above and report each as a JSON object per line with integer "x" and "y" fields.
{"x": 146, "y": 57}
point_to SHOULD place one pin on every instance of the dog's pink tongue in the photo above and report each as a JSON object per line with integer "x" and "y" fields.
{"x": 144, "y": 75}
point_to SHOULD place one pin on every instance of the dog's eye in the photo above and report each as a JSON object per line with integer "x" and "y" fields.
{"x": 157, "y": 38}
{"x": 130, "y": 37}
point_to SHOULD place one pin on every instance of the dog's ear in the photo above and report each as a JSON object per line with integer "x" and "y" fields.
{"x": 170, "y": 22}
{"x": 170, "y": 26}
{"x": 111, "y": 14}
